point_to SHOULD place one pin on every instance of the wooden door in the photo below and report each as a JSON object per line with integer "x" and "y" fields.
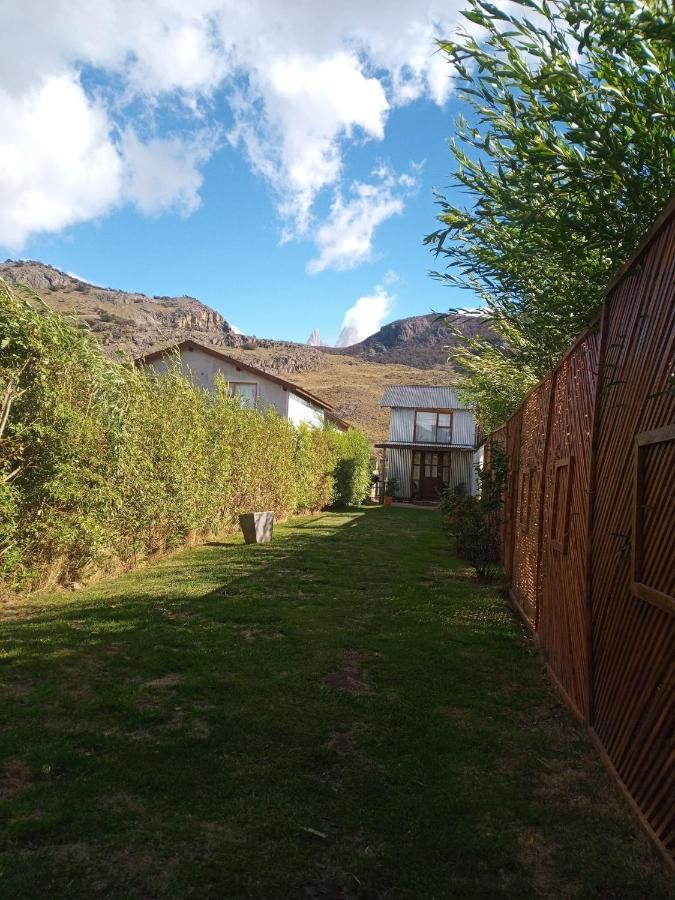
{"x": 430, "y": 475}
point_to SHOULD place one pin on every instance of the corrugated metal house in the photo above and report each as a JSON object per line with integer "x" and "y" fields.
{"x": 253, "y": 386}
{"x": 433, "y": 439}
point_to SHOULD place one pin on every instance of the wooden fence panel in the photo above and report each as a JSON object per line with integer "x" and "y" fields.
{"x": 528, "y": 500}
{"x": 510, "y": 505}
{"x": 564, "y": 625}
{"x": 634, "y": 630}
{"x": 588, "y": 538}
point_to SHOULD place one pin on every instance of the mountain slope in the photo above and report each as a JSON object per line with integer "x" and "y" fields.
{"x": 132, "y": 323}
{"x": 421, "y": 341}
{"x": 352, "y": 379}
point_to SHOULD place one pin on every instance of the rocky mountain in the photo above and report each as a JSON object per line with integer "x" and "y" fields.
{"x": 130, "y": 322}
{"x": 352, "y": 379}
{"x": 424, "y": 342}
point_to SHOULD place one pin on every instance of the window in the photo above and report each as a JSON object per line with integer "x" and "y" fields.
{"x": 653, "y": 545}
{"x": 443, "y": 428}
{"x": 416, "y": 470}
{"x": 431, "y": 465}
{"x": 246, "y": 391}
{"x": 433, "y": 427}
{"x": 562, "y": 496}
{"x": 445, "y": 460}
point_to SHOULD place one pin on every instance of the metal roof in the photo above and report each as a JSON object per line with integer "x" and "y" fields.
{"x": 417, "y": 445}
{"x": 414, "y": 396}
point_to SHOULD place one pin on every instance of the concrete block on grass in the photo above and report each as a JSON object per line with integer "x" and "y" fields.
{"x": 257, "y": 527}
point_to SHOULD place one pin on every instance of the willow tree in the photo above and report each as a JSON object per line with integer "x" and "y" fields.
{"x": 567, "y": 156}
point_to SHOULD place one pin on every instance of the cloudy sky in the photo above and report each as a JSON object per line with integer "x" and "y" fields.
{"x": 275, "y": 159}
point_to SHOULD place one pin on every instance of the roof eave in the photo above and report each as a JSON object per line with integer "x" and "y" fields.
{"x": 194, "y": 345}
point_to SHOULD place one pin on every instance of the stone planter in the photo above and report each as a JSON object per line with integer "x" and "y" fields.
{"x": 257, "y": 527}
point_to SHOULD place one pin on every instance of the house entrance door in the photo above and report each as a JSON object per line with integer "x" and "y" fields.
{"x": 433, "y": 473}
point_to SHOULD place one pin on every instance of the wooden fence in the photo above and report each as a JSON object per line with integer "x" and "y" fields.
{"x": 588, "y": 535}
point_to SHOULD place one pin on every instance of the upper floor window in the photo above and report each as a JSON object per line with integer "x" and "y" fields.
{"x": 433, "y": 427}
{"x": 246, "y": 391}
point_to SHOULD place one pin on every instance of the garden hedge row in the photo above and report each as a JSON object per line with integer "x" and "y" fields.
{"x": 102, "y": 464}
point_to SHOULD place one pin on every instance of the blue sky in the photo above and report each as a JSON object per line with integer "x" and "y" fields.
{"x": 285, "y": 194}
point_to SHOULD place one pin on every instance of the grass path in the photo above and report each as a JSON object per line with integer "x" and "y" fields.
{"x": 342, "y": 714}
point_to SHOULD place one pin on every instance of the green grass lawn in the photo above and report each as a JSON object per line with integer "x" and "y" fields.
{"x": 342, "y": 713}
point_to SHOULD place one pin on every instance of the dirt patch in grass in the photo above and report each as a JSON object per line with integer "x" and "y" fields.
{"x": 200, "y": 730}
{"x": 351, "y": 677}
{"x": 14, "y": 777}
{"x": 16, "y": 689}
{"x": 328, "y": 885}
{"x": 537, "y": 857}
{"x": 165, "y": 681}
{"x": 457, "y": 713}
{"x": 254, "y": 632}
{"x": 126, "y": 804}
{"x": 342, "y": 742}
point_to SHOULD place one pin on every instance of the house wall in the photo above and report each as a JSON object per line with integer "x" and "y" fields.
{"x": 301, "y": 410}
{"x": 203, "y": 368}
{"x": 463, "y": 428}
{"x": 402, "y": 426}
{"x": 462, "y": 470}
{"x": 399, "y": 466}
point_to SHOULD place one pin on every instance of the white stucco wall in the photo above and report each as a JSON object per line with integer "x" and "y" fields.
{"x": 301, "y": 410}
{"x": 203, "y": 367}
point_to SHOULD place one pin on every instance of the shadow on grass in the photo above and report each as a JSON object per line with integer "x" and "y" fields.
{"x": 330, "y": 715}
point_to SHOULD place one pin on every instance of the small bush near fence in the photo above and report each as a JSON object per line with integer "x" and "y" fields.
{"x": 101, "y": 463}
{"x": 475, "y": 522}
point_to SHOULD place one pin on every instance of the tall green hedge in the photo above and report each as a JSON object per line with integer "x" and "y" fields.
{"x": 353, "y": 467}
{"x": 102, "y": 463}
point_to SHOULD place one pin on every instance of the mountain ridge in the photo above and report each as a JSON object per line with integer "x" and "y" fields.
{"x": 352, "y": 379}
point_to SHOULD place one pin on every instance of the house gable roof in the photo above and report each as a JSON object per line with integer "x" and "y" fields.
{"x": 189, "y": 344}
{"x": 414, "y": 396}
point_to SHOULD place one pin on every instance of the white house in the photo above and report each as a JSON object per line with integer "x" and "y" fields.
{"x": 253, "y": 386}
{"x": 433, "y": 441}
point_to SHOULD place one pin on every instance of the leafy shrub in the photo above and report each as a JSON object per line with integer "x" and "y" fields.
{"x": 102, "y": 463}
{"x": 475, "y": 522}
{"x": 352, "y": 467}
{"x": 315, "y": 463}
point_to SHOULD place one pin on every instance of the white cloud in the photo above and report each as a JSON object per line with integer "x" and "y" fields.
{"x": 77, "y": 78}
{"x": 61, "y": 163}
{"x": 365, "y": 317}
{"x": 291, "y": 120}
{"x": 346, "y": 238}
{"x": 53, "y": 174}
{"x": 84, "y": 280}
{"x": 163, "y": 174}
